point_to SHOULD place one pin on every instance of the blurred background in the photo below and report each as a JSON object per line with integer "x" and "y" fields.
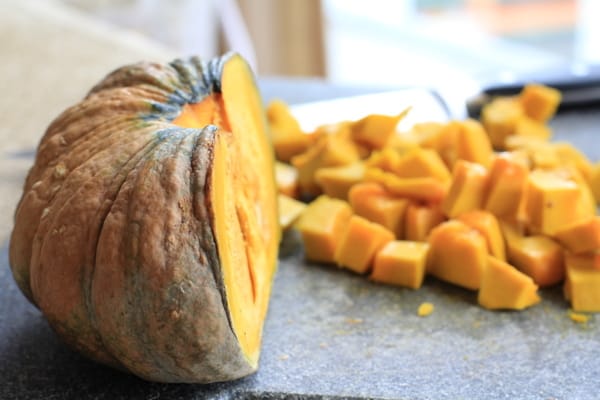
{"x": 374, "y": 42}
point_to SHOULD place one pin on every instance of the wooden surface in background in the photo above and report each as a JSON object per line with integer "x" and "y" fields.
{"x": 287, "y": 36}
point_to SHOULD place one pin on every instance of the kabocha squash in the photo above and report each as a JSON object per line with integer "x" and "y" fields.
{"x": 148, "y": 232}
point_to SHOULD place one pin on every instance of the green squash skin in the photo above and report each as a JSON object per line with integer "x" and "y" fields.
{"x": 113, "y": 238}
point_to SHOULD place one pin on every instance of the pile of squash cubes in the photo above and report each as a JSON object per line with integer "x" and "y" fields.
{"x": 492, "y": 206}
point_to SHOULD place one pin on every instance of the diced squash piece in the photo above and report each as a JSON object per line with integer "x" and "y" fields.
{"x": 439, "y": 137}
{"x": 554, "y": 201}
{"x": 337, "y": 181}
{"x": 525, "y": 143}
{"x": 595, "y": 182}
{"x": 286, "y": 135}
{"x": 402, "y": 141}
{"x": 375, "y": 130}
{"x": 467, "y": 190}
{"x": 486, "y": 224}
{"x": 425, "y": 189}
{"x": 428, "y": 134}
{"x": 503, "y": 287}
{"x": 582, "y": 284}
{"x": 544, "y": 157}
{"x": 286, "y": 177}
{"x": 537, "y": 256}
{"x": 500, "y": 118}
{"x": 359, "y": 242}
{"x": 530, "y": 127}
{"x": 457, "y": 254}
{"x": 328, "y": 151}
{"x": 290, "y": 210}
{"x": 401, "y": 263}
{"x": 321, "y": 226}
{"x": 539, "y": 101}
{"x": 472, "y": 142}
{"x": 507, "y": 183}
{"x": 371, "y": 201}
{"x": 421, "y": 163}
{"x": 569, "y": 154}
{"x": 582, "y": 236}
{"x": 420, "y": 219}
{"x": 386, "y": 159}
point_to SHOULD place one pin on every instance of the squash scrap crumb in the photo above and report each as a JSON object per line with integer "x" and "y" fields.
{"x": 425, "y": 309}
{"x": 579, "y": 317}
{"x": 354, "y": 321}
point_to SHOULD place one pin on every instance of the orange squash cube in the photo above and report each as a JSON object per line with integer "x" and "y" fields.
{"x": 537, "y": 256}
{"x": 507, "y": 183}
{"x": 505, "y": 287}
{"x": 371, "y": 201}
{"x": 328, "y": 151}
{"x": 425, "y": 189}
{"x": 386, "y": 159}
{"x": 286, "y": 177}
{"x": 530, "y": 127}
{"x": 486, "y": 224}
{"x": 439, "y": 137}
{"x": 582, "y": 236}
{"x": 595, "y": 182}
{"x": 286, "y": 135}
{"x": 554, "y": 201}
{"x": 539, "y": 102}
{"x": 375, "y": 130}
{"x": 500, "y": 118}
{"x": 420, "y": 219}
{"x": 467, "y": 189}
{"x": 421, "y": 163}
{"x": 337, "y": 181}
{"x": 359, "y": 242}
{"x": 457, "y": 254}
{"x": 401, "y": 263}
{"x": 472, "y": 142}
{"x": 290, "y": 210}
{"x": 569, "y": 154}
{"x": 321, "y": 226}
{"x": 582, "y": 284}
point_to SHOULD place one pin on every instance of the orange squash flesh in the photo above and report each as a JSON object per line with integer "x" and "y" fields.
{"x": 245, "y": 237}
{"x": 420, "y": 219}
{"x": 321, "y": 225}
{"x": 538, "y": 256}
{"x": 371, "y": 201}
{"x": 337, "y": 181}
{"x": 290, "y": 210}
{"x": 401, "y": 263}
{"x": 581, "y": 237}
{"x": 457, "y": 254}
{"x": 555, "y": 201}
{"x": 486, "y": 224}
{"x": 287, "y": 179}
{"x": 507, "y": 183}
{"x": 359, "y": 243}
{"x": 582, "y": 284}
{"x": 504, "y": 287}
{"x": 472, "y": 142}
{"x": 467, "y": 190}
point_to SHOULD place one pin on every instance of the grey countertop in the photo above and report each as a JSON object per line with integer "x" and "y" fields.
{"x": 332, "y": 334}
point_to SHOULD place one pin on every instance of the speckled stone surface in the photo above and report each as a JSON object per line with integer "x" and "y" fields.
{"x": 331, "y": 334}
